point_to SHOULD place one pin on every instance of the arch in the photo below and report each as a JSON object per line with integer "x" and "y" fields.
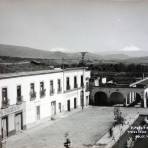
{"x": 100, "y": 99}
{"x": 117, "y": 98}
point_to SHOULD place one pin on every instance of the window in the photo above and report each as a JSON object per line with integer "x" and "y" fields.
{"x": 75, "y": 82}
{"x": 4, "y": 94}
{"x": 67, "y": 83}
{"x": 42, "y": 90}
{"x": 5, "y": 102}
{"x": 32, "y": 87}
{"x": 32, "y": 91}
{"x": 19, "y": 94}
{"x": 51, "y": 88}
{"x": 59, "y": 85}
{"x": 82, "y": 83}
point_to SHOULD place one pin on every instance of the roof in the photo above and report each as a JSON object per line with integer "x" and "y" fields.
{"x": 39, "y": 72}
{"x": 141, "y": 82}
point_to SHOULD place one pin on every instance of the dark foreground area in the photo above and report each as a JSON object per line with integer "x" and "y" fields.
{"x": 139, "y": 140}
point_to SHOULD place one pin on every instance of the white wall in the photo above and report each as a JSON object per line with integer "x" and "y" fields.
{"x": 45, "y": 102}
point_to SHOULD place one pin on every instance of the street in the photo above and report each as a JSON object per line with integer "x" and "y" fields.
{"x": 84, "y": 127}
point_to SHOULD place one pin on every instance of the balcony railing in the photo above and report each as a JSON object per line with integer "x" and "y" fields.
{"x": 87, "y": 88}
{"x": 32, "y": 95}
{"x": 75, "y": 85}
{"x": 5, "y": 103}
{"x": 68, "y": 87}
{"x": 52, "y": 91}
{"x": 19, "y": 99}
{"x": 82, "y": 85}
{"x": 59, "y": 90}
{"x": 43, "y": 93}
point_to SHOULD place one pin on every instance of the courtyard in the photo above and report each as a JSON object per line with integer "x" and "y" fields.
{"x": 85, "y": 127}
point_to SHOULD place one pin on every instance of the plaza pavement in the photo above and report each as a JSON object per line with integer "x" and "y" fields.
{"x": 84, "y": 127}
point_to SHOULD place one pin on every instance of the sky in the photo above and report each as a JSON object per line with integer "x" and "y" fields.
{"x": 76, "y": 25}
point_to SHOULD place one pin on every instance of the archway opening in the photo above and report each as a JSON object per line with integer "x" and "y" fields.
{"x": 138, "y": 98}
{"x": 134, "y": 99}
{"x": 100, "y": 99}
{"x": 117, "y": 98}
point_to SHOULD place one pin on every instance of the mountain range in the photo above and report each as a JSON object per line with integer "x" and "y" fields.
{"x": 27, "y": 52}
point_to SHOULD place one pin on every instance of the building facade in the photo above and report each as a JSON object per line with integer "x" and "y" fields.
{"x": 27, "y": 97}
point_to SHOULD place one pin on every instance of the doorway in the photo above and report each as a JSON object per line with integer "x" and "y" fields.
{"x": 75, "y": 103}
{"x": 4, "y": 127}
{"x": 38, "y": 112}
{"x": 60, "y": 107}
{"x": 68, "y": 105}
{"x": 53, "y": 108}
{"x": 18, "y": 122}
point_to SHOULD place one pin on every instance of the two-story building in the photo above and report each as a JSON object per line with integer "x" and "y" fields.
{"x": 27, "y": 97}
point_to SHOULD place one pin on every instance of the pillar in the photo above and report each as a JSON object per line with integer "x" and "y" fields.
{"x": 145, "y": 100}
{"x": 130, "y": 98}
{"x": 126, "y": 101}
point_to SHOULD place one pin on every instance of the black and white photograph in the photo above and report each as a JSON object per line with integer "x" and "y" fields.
{"x": 73, "y": 73}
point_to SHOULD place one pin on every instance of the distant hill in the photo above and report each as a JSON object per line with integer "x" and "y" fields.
{"x": 141, "y": 60}
{"x": 116, "y": 57}
{"x": 26, "y": 52}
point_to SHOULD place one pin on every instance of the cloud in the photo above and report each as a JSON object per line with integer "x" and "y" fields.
{"x": 130, "y": 48}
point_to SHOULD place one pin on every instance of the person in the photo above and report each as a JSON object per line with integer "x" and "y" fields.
{"x": 67, "y": 143}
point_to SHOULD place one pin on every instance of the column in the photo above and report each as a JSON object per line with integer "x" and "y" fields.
{"x": 125, "y": 101}
{"x": 145, "y": 100}
{"x": 130, "y": 98}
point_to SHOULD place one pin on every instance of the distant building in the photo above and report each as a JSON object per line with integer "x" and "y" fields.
{"x": 27, "y": 97}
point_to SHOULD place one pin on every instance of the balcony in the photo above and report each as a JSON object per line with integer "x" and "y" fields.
{"x": 68, "y": 87}
{"x": 52, "y": 91}
{"x": 87, "y": 89}
{"x": 8, "y": 108}
{"x": 42, "y": 93}
{"x": 19, "y": 100}
{"x": 76, "y": 85}
{"x": 32, "y": 96}
{"x": 72, "y": 89}
{"x": 59, "y": 90}
{"x": 5, "y": 103}
{"x": 82, "y": 85}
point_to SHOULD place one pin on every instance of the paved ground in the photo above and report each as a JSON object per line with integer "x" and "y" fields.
{"x": 85, "y": 128}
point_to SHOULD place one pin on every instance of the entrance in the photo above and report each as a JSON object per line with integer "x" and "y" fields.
{"x": 82, "y": 99}
{"x": 53, "y": 108}
{"x": 60, "y": 107}
{"x": 68, "y": 105}
{"x": 75, "y": 103}
{"x": 87, "y": 100}
{"x": 4, "y": 127}
{"x": 18, "y": 122}
{"x": 116, "y": 98}
{"x": 100, "y": 99}
{"x": 38, "y": 112}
